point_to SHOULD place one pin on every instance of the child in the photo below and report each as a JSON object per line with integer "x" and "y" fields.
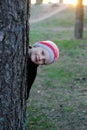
{"x": 42, "y": 53}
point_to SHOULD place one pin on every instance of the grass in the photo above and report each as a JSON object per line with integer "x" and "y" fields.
{"x": 58, "y": 98}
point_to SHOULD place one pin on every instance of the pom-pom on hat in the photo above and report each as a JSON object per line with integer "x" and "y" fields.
{"x": 51, "y": 47}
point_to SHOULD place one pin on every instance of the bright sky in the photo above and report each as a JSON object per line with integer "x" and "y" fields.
{"x": 65, "y": 1}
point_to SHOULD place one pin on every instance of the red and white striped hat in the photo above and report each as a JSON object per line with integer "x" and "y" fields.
{"x": 51, "y": 47}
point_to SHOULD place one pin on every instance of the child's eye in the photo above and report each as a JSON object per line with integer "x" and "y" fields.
{"x": 43, "y": 53}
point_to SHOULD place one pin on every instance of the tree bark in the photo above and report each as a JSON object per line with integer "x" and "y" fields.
{"x": 79, "y": 20}
{"x": 13, "y": 58}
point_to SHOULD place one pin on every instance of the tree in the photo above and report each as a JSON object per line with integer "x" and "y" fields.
{"x": 13, "y": 58}
{"x": 39, "y": 1}
{"x": 79, "y": 20}
{"x": 61, "y": 1}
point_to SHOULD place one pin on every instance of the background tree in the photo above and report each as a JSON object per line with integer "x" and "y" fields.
{"x": 13, "y": 52}
{"x": 39, "y": 1}
{"x": 79, "y": 19}
{"x": 61, "y": 1}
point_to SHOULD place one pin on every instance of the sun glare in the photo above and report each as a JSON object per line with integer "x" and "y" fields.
{"x": 73, "y": 2}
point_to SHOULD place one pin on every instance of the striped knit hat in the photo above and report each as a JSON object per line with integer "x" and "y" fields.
{"x": 51, "y": 47}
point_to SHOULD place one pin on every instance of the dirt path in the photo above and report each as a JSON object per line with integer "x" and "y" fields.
{"x": 58, "y": 10}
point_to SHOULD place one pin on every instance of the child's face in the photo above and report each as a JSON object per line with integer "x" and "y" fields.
{"x": 39, "y": 55}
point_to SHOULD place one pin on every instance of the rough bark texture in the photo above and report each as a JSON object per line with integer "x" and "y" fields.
{"x": 13, "y": 52}
{"x": 79, "y": 20}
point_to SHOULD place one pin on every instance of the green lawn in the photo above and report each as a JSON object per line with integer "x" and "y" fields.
{"x": 58, "y": 98}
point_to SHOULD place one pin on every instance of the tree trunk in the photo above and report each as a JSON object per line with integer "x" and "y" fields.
{"x": 61, "y": 1}
{"x": 13, "y": 58}
{"x": 79, "y": 20}
{"x": 39, "y": 1}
